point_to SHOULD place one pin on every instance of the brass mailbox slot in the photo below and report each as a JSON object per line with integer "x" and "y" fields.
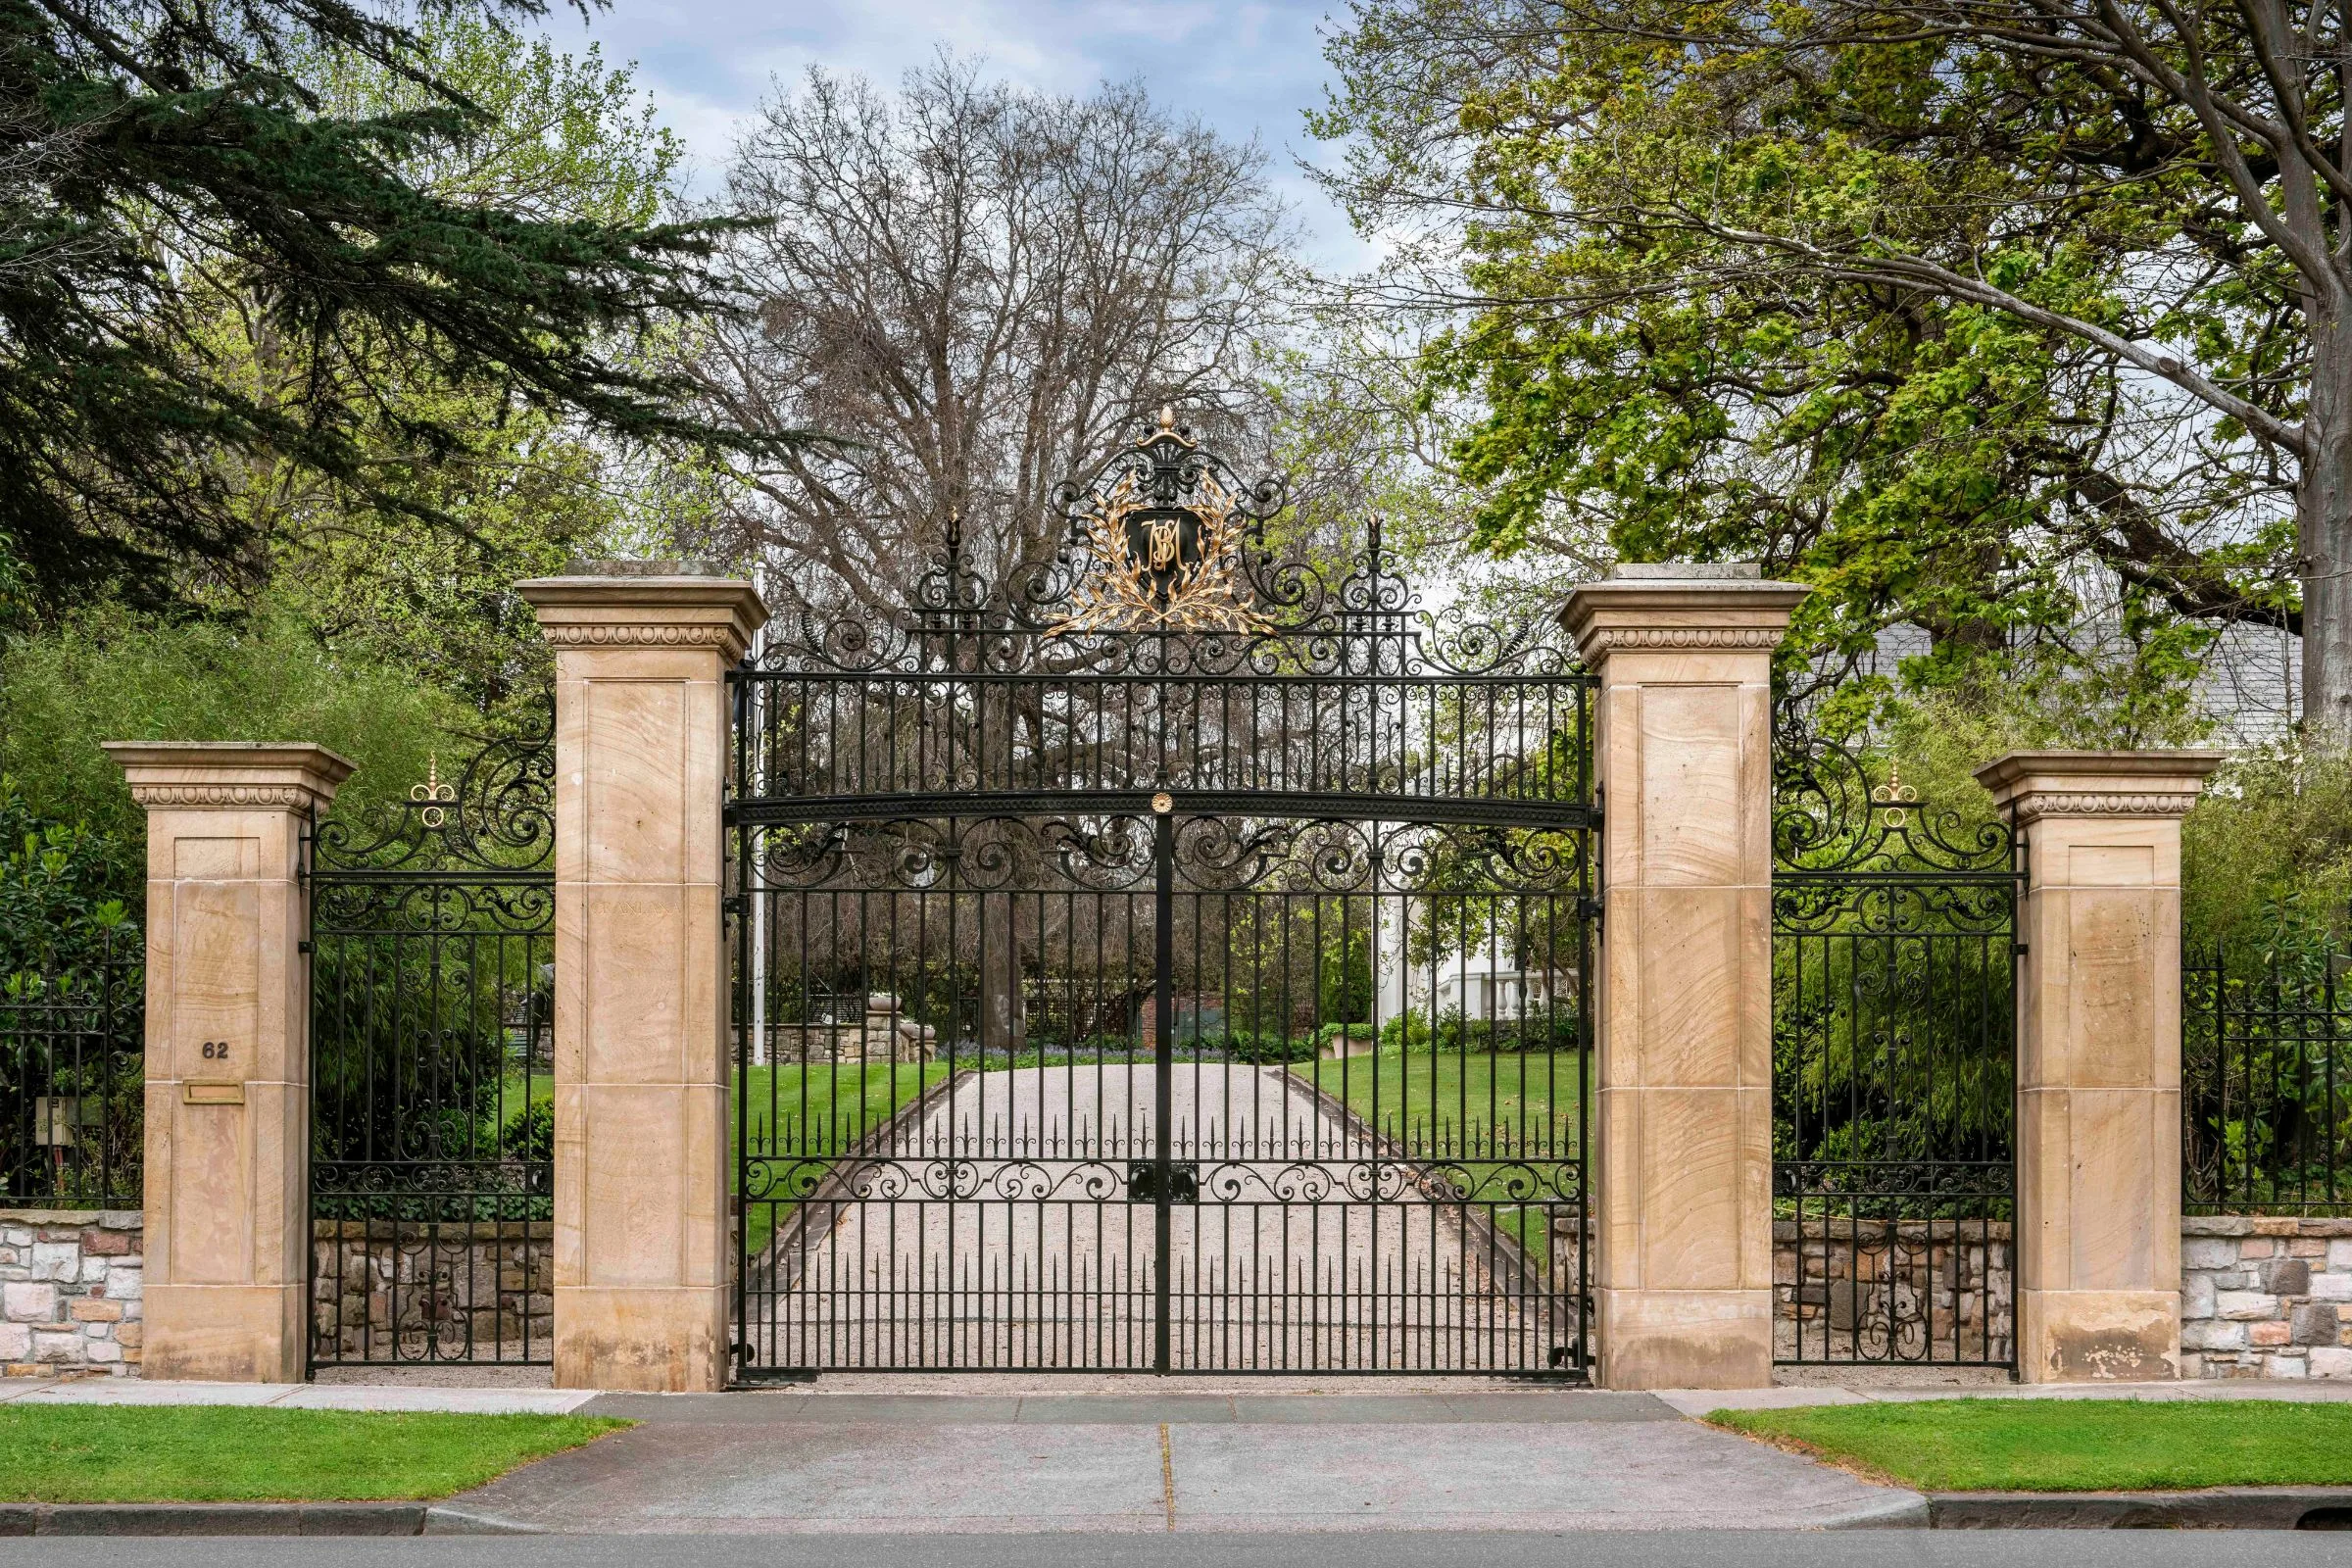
{"x": 194, "y": 1094}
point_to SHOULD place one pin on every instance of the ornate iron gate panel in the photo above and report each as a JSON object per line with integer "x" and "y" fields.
{"x": 1894, "y": 1028}
{"x": 432, "y": 1103}
{"x": 1170, "y": 960}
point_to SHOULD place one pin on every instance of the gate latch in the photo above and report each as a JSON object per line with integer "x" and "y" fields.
{"x": 1143, "y": 1182}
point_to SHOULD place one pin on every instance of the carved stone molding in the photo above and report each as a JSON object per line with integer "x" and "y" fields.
{"x": 590, "y": 634}
{"x": 291, "y": 797}
{"x": 1606, "y": 639}
{"x": 2037, "y": 803}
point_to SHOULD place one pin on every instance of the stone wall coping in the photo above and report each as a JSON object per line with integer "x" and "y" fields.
{"x": 1869, "y": 1233}
{"x": 104, "y": 1219}
{"x": 451, "y": 1233}
{"x": 229, "y": 774}
{"x": 2264, "y": 1225}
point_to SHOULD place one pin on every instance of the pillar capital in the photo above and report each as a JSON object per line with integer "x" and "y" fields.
{"x": 1673, "y": 609}
{"x": 230, "y": 775}
{"x": 2032, "y": 785}
{"x": 646, "y": 603}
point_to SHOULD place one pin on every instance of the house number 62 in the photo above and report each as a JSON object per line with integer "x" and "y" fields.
{"x": 216, "y": 1050}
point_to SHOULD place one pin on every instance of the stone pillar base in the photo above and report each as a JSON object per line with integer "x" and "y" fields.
{"x": 2100, "y": 1335}
{"x": 224, "y": 1333}
{"x": 647, "y": 1340}
{"x": 1684, "y": 1339}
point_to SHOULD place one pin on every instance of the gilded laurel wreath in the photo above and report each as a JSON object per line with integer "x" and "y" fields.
{"x": 1161, "y": 592}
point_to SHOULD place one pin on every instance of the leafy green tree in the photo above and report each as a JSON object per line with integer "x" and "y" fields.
{"x": 1939, "y": 308}
{"x": 110, "y": 675}
{"x": 165, "y": 160}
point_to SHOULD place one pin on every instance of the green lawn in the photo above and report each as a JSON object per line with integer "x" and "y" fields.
{"x": 1480, "y": 1110}
{"x": 810, "y": 1113}
{"x": 2070, "y": 1445}
{"x": 225, "y": 1453}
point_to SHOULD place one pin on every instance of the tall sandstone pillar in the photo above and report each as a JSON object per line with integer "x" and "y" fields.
{"x": 228, "y": 1082}
{"x": 2098, "y": 1057}
{"x": 1682, "y": 1170}
{"x": 641, "y": 1250}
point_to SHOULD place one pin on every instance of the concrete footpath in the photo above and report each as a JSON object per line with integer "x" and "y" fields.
{"x": 1037, "y": 1457}
{"x": 783, "y": 1463}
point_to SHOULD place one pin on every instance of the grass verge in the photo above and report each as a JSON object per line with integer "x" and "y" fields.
{"x": 2069, "y": 1444}
{"x": 225, "y": 1453}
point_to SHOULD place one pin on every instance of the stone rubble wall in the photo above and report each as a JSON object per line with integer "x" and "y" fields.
{"x": 70, "y": 1287}
{"x": 1843, "y": 1289}
{"x": 431, "y": 1292}
{"x": 2265, "y": 1298}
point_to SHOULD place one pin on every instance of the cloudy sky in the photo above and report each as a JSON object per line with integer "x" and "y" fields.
{"x": 1246, "y": 66}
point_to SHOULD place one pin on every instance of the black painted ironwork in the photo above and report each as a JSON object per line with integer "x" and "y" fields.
{"x": 432, "y": 1131}
{"x": 1170, "y": 958}
{"x": 2266, "y": 1058}
{"x": 1894, "y": 927}
{"x": 72, "y": 1054}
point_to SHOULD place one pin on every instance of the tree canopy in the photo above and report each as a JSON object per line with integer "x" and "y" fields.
{"x": 1949, "y": 310}
{"x": 167, "y": 163}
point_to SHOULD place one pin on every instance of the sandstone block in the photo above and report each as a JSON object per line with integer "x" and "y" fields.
{"x": 2286, "y": 1276}
{"x": 2257, "y": 1246}
{"x": 2271, "y": 1332}
{"x": 2245, "y": 1304}
{"x": 28, "y": 1302}
{"x": 105, "y": 1244}
{"x": 2207, "y": 1333}
{"x": 97, "y": 1309}
{"x": 131, "y": 1333}
{"x": 56, "y": 1344}
{"x": 2307, "y": 1246}
{"x": 16, "y": 1342}
{"x": 2315, "y": 1323}
{"x": 105, "y": 1352}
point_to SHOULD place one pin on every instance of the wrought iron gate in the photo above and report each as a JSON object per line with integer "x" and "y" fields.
{"x": 1171, "y": 958}
{"x": 1895, "y": 1027}
{"x": 432, "y": 1105}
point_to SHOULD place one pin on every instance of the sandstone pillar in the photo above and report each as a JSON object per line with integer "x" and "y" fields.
{"x": 228, "y": 1083}
{"x": 2098, "y": 1057}
{"x": 641, "y": 1231}
{"x": 1681, "y": 1164}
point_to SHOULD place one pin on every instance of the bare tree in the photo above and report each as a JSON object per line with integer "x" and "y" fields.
{"x": 976, "y": 292}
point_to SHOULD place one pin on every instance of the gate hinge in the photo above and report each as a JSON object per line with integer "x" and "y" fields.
{"x": 1589, "y": 907}
{"x": 731, "y": 903}
{"x": 304, "y": 945}
{"x": 1143, "y": 1182}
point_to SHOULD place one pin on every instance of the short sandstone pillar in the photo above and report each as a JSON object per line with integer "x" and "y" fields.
{"x": 2098, "y": 1057}
{"x": 1682, "y": 1167}
{"x": 641, "y": 1247}
{"x": 228, "y": 1082}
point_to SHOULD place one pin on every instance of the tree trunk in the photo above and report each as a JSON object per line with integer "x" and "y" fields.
{"x": 2324, "y": 533}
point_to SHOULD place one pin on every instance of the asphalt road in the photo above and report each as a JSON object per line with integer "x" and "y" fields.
{"x": 1893, "y": 1548}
